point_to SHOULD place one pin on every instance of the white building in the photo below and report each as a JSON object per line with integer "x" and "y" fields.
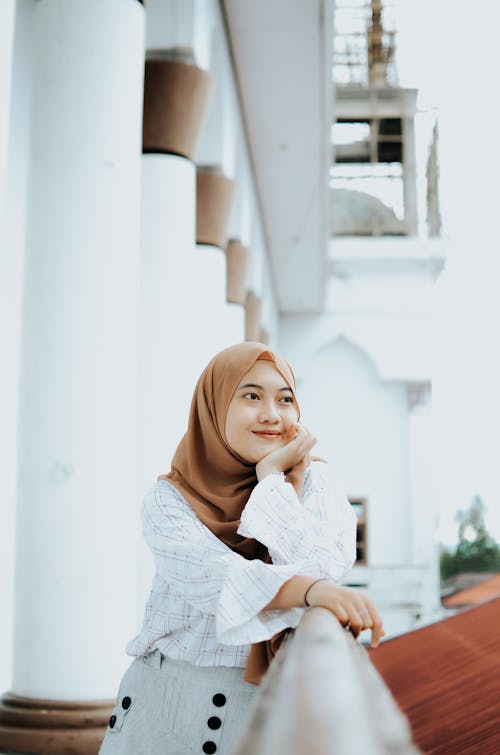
{"x": 114, "y": 293}
{"x": 366, "y": 361}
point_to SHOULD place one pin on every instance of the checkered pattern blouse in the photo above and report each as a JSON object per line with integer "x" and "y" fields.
{"x": 206, "y": 602}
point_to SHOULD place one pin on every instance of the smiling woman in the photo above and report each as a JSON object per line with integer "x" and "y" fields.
{"x": 262, "y": 414}
{"x": 247, "y": 531}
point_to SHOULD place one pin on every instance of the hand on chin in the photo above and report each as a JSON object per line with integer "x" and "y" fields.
{"x": 287, "y": 454}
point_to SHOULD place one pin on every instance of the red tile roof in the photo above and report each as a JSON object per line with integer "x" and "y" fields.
{"x": 486, "y": 590}
{"x": 446, "y": 678}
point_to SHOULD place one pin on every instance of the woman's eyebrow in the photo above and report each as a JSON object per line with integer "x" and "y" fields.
{"x": 254, "y": 385}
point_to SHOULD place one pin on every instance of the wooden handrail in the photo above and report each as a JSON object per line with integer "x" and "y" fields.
{"x": 322, "y": 696}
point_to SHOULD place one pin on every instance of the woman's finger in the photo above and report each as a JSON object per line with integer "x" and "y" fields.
{"x": 305, "y": 439}
{"x": 364, "y": 615}
{"x": 295, "y": 450}
{"x": 377, "y": 632}
{"x": 366, "y": 618}
{"x": 355, "y": 620}
{"x": 301, "y": 439}
{"x": 376, "y": 623}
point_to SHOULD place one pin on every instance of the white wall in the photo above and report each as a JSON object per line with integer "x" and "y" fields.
{"x": 354, "y": 364}
{"x": 379, "y": 447}
{"x": 361, "y": 424}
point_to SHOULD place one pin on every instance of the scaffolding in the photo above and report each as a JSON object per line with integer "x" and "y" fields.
{"x": 364, "y": 44}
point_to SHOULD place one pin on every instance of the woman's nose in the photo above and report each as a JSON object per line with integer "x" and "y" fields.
{"x": 269, "y": 412}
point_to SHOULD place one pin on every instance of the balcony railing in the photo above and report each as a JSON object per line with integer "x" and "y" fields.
{"x": 322, "y": 696}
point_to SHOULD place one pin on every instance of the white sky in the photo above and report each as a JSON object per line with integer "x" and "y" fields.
{"x": 449, "y": 51}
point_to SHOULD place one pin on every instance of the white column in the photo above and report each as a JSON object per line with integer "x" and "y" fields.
{"x": 77, "y": 498}
{"x": 184, "y": 320}
{"x": 234, "y": 324}
{"x": 240, "y": 228}
{"x": 169, "y": 307}
{"x": 410, "y": 176}
{"x": 183, "y": 24}
{"x": 7, "y": 15}
{"x": 183, "y": 304}
{"x": 218, "y": 142}
{"x": 9, "y": 333}
{"x": 224, "y": 323}
{"x": 423, "y": 501}
{"x": 169, "y": 363}
{"x": 172, "y": 354}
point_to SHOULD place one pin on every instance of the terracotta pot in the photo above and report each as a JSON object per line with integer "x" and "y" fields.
{"x": 238, "y": 257}
{"x": 214, "y": 195}
{"x": 176, "y": 100}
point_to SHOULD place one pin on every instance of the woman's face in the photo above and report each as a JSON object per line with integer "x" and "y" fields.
{"x": 261, "y": 412}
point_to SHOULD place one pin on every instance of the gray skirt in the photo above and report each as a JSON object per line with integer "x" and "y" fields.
{"x": 175, "y": 708}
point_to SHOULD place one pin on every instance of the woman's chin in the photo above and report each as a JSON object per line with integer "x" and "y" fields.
{"x": 261, "y": 454}
{"x": 255, "y": 452}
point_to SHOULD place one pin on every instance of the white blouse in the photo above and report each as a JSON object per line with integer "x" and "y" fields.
{"x": 206, "y": 602}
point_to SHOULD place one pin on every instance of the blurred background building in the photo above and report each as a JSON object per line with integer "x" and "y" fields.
{"x": 365, "y": 360}
{"x": 175, "y": 177}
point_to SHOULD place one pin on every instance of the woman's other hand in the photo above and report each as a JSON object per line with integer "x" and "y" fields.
{"x": 292, "y": 455}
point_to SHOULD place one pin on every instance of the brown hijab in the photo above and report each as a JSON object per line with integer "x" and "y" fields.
{"x": 212, "y": 477}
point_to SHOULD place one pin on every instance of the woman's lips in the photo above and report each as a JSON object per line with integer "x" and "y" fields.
{"x": 268, "y": 435}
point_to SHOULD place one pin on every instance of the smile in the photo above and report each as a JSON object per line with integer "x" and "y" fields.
{"x": 269, "y": 435}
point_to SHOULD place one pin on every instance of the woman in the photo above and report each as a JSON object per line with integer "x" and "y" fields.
{"x": 246, "y": 531}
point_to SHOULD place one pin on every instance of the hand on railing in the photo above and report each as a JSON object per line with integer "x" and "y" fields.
{"x": 352, "y": 608}
{"x": 321, "y": 693}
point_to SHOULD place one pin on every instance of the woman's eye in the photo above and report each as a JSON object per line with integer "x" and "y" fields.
{"x": 255, "y": 396}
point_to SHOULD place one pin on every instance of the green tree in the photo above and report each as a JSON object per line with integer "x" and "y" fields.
{"x": 476, "y": 550}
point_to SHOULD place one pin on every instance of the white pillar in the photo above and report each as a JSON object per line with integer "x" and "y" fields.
{"x": 9, "y": 324}
{"x": 183, "y": 292}
{"x": 182, "y": 24}
{"x": 169, "y": 308}
{"x": 176, "y": 98}
{"x": 218, "y": 142}
{"x": 234, "y": 320}
{"x": 410, "y": 176}
{"x": 7, "y": 14}
{"x": 423, "y": 501}
{"x": 77, "y": 498}
{"x": 224, "y": 323}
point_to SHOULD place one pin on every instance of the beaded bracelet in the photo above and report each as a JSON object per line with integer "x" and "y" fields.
{"x": 311, "y": 585}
